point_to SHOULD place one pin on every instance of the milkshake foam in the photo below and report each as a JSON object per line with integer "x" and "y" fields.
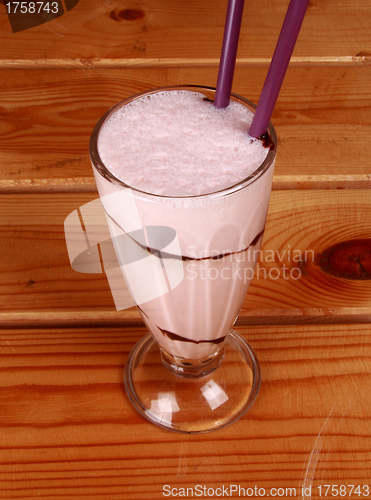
{"x": 176, "y": 143}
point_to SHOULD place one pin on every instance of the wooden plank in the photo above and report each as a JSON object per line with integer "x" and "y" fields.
{"x": 293, "y": 283}
{"x": 68, "y": 430}
{"x": 322, "y": 118}
{"x": 176, "y": 29}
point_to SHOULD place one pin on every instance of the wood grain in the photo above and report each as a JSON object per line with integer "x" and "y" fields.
{"x": 39, "y": 285}
{"x": 97, "y": 29}
{"x": 67, "y": 428}
{"x": 300, "y": 227}
{"x": 46, "y": 118}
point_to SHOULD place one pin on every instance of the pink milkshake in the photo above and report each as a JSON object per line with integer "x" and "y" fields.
{"x": 193, "y": 168}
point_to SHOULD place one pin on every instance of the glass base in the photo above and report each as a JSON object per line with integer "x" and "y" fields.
{"x": 193, "y": 403}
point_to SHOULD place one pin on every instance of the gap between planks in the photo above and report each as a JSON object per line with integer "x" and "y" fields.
{"x": 98, "y": 63}
{"x": 280, "y": 182}
{"x": 131, "y": 318}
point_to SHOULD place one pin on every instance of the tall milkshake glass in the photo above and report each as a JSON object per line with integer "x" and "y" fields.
{"x": 192, "y": 373}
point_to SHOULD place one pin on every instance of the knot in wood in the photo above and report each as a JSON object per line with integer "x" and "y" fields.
{"x": 127, "y": 15}
{"x": 349, "y": 260}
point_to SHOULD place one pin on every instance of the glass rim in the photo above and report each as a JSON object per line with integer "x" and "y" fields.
{"x": 102, "y": 170}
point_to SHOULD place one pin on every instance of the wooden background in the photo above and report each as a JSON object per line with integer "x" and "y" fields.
{"x": 66, "y": 427}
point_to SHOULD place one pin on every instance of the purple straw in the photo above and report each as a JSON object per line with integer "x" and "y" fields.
{"x": 229, "y": 52}
{"x": 277, "y": 69}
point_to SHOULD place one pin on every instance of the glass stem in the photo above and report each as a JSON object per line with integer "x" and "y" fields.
{"x": 193, "y": 368}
